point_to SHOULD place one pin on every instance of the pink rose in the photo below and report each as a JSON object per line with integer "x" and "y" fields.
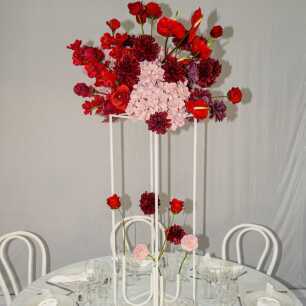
{"x": 189, "y": 243}
{"x": 140, "y": 252}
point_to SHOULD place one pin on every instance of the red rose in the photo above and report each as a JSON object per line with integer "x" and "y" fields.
{"x": 175, "y": 233}
{"x": 106, "y": 41}
{"x": 235, "y": 95}
{"x": 199, "y": 109}
{"x": 113, "y": 201}
{"x": 120, "y": 98}
{"x": 75, "y": 45}
{"x": 114, "y": 24}
{"x": 176, "y": 206}
{"x": 216, "y": 31}
{"x": 136, "y": 8}
{"x": 199, "y": 46}
{"x": 170, "y": 28}
{"x": 81, "y": 89}
{"x": 153, "y": 10}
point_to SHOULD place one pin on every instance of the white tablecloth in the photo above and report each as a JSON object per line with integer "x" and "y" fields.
{"x": 252, "y": 280}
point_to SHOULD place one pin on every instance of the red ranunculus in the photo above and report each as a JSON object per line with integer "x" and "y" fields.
{"x": 176, "y": 206}
{"x": 136, "y": 8}
{"x": 81, "y": 89}
{"x": 153, "y": 10}
{"x": 199, "y": 109}
{"x": 114, "y": 24}
{"x": 168, "y": 27}
{"x": 175, "y": 233}
{"x": 234, "y": 95}
{"x": 113, "y": 201}
{"x": 216, "y": 31}
{"x": 199, "y": 46}
{"x": 120, "y": 97}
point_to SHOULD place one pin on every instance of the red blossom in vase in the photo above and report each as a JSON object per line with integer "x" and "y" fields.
{"x": 75, "y": 45}
{"x": 216, "y": 31}
{"x": 146, "y": 48}
{"x": 168, "y": 27}
{"x": 153, "y": 10}
{"x": 89, "y": 106}
{"x": 175, "y": 233}
{"x": 139, "y": 10}
{"x": 113, "y": 24}
{"x": 176, "y": 206}
{"x": 196, "y": 19}
{"x": 113, "y": 201}
{"x": 234, "y": 95}
{"x": 209, "y": 71}
{"x": 106, "y": 41}
{"x": 200, "y": 48}
{"x": 174, "y": 70}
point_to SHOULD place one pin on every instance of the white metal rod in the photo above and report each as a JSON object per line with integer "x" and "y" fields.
{"x": 151, "y": 184}
{"x": 194, "y": 197}
{"x": 156, "y": 190}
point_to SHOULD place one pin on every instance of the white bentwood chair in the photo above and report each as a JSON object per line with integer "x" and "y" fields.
{"x": 268, "y": 236}
{"x": 8, "y": 276}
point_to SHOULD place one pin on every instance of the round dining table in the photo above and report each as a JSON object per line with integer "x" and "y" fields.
{"x": 251, "y": 281}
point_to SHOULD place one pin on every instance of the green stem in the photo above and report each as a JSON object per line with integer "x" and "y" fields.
{"x": 181, "y": 266}
{"x": 166, "y": 47}
{"x": 178, "y": 45}
{"x": 152, "y": 23}
{"x": 124, "y": 232}
{"x": 216, "y": 97}
{"x": 142, "y": 29}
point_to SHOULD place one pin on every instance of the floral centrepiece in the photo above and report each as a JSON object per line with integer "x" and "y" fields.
{"x": 134, "y": 75}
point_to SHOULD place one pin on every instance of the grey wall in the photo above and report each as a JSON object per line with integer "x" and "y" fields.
{"x": 54, "y": 162}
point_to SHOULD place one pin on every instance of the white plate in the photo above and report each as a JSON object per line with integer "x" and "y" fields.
{"x": 283, "y": 298}
{"x": 63, "y": 300}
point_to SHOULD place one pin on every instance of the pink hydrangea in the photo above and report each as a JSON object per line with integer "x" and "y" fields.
{"x": 152, "y": 94}
{"x": 189, "y": 243}
{"x": 140, "y": 252}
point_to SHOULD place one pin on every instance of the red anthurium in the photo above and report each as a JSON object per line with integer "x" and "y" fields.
{"x": 120, "y": 97}
{"x": 176, "y": 206}
{"x": 216, "y": 31}
{"x": 153, "y": 10}
{"x": 234, "y": 95}
{"x": 113, "y": 201}
{"x": 199, "y": 109}
{"x": 196, "y": 19}
{"x": 114, "y": 24}
{"x": 199, "y": 46}
{"x": 168, "y": 27}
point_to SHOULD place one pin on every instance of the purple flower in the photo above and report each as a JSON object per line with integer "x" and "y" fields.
{"x": 192, "y": 73}
{"x": 217, "y": 109}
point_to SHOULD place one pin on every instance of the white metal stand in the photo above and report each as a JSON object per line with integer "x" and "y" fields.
{"x": 156, "y": 292}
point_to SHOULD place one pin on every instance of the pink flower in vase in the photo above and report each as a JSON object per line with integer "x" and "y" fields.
{"x": 189, "y": 243}
{"x": 140, "y": 252}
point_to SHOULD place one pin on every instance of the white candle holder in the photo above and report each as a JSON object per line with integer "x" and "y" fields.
{"x": 156, "y": 293}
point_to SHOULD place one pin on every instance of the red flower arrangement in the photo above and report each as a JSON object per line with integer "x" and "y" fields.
{"x": 135, "y": 75}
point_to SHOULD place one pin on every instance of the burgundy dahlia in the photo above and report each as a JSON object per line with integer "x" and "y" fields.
{"x": 159, "y": 122}
{"x": 147, "y": 203}
{"x": 209, "y": 70}
{"x": 128, "y": 70}
{"x": 217, "y": 110}
{"x": 175, "y": 233}
{"x": 146, "y": 48}
{"x": 174, "y": 70}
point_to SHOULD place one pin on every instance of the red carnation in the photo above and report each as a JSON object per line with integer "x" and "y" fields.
{"x": 199, "y": 46}
{"x": 89, "y": 106}
{"x": 175, "y": 233}
{"x": 106, "y": 41}
{"x": 168, "y": 27}
{"x": 113, "y": 201}
{"x": 234, "y": 95}
{"x": 91, "y": 54}
{"x": 114, "y": 24}
{"x": 176, "y": 206}
{"x": 199, "y": 109}
{"x": 153, "y": 10}
{"x": 159, "y": 122}
{"x": 81, "y": 89}
{"x": 216, "y": 31}
{"x": 135, "y": 8}
{"x": 147, "y": 203}
{"x": 120, "y": 98}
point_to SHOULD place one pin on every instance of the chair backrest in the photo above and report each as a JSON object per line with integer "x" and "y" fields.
{"x": 126, "y": 223}
{"x": 9, "y": 280}
{"x": 268, "y": 236}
